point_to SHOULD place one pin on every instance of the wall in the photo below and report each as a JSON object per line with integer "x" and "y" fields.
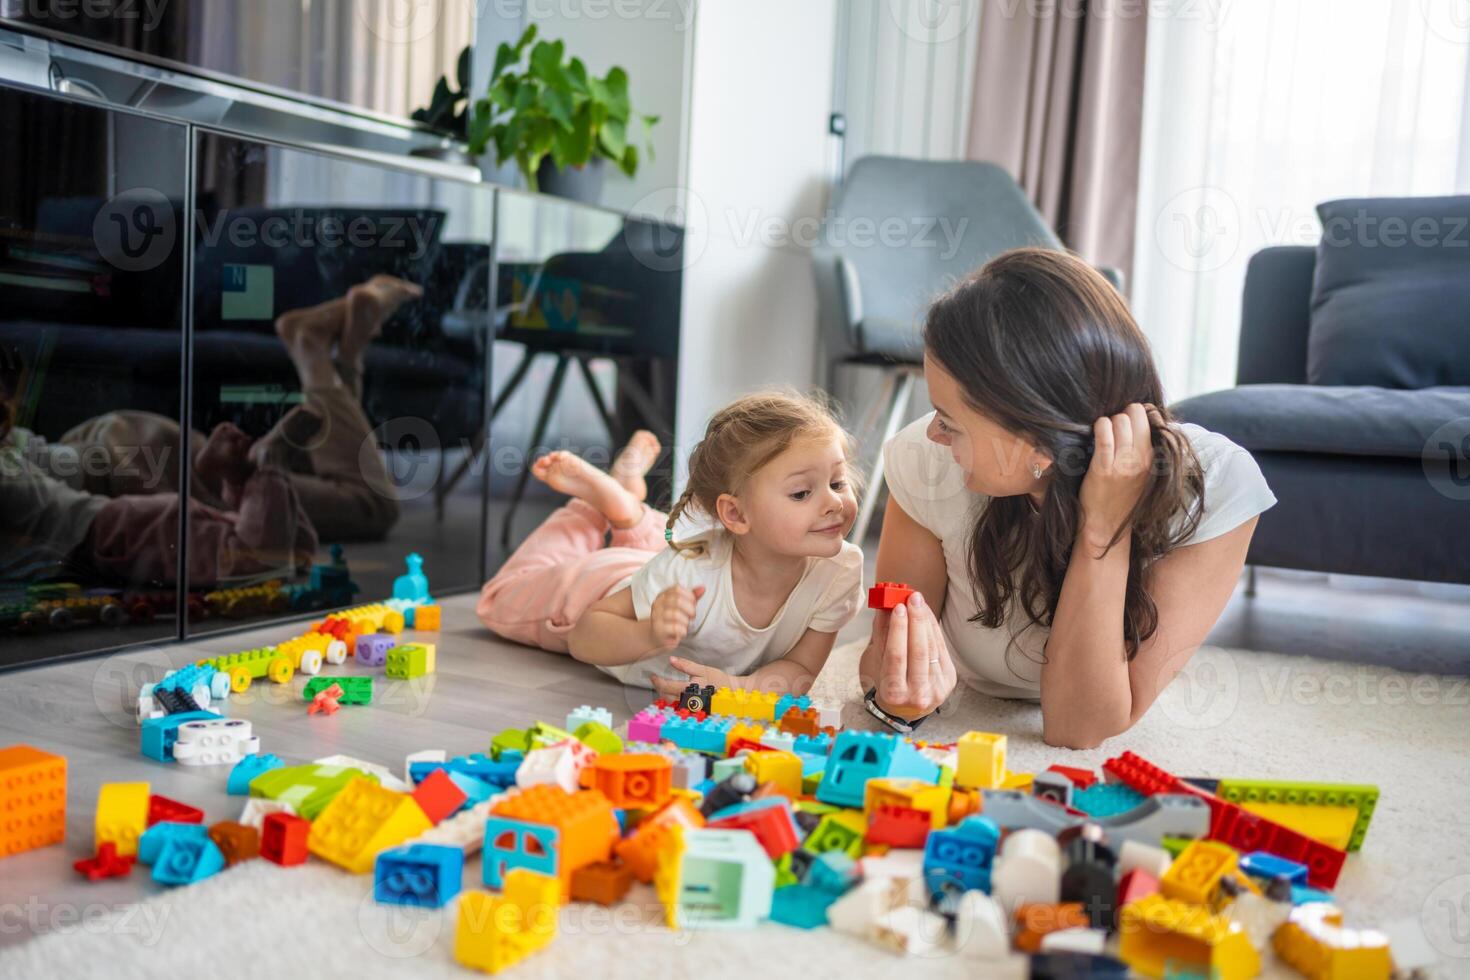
{"x": 760, "y": 96}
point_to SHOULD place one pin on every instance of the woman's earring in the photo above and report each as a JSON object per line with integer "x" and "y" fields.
{"x": 1036, "y": 470}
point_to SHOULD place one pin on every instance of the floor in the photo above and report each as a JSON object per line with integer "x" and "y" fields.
{"x": 83, "y": 709}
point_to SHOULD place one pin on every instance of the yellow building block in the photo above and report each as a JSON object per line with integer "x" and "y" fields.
{"x": 1018, "y": 780}
{"x": 1332, "y": 825}
{"x": 761, "y": 706}
{"x": 362, "y": 821}
{"x": 494, "y": 932}
{"x": 982, "y": 761}
{"x": 1315, "y": 943}
{"x": 32, "y": 799}
{"x": 913, "y": 793}
{"x": 776, "y": 766}
{"x": 723, "y": 703}
{"x": 1159, "y": 933}
{"x": 744, "y": 729}
{"x": 1194, "y": 876}
{"x": 122, "y": 815}
{"x": 668, "y": 875}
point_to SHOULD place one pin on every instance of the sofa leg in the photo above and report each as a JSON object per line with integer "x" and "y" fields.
{"x": 1250, "y": 581}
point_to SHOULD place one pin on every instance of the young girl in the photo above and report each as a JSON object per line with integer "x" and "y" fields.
{"x": 754, "y": 599}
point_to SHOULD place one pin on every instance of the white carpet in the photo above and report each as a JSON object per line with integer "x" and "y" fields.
{"x": 1232, "y": 714}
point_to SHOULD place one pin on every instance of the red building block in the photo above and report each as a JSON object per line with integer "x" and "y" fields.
{"x": 887, "y": 595}
{"x": 1135, "y": 885}
{"x": 438, "y": 797}
{"x": 899, "y": 826}
{"x": 107, "y": 863}
{"x": 773, "y": 826}
{"x": 161, "y": 809}
{"x": 1081, "y": 778}
{"x": 283, "y": 838}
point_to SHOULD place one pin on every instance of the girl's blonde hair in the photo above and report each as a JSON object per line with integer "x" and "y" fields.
{"x": 746, "y": 435}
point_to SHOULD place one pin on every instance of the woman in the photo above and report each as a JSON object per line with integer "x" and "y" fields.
{"x": 1066, "y": 539}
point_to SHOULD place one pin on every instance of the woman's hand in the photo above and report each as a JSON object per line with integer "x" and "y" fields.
{"x": 1122, "y": 463}
{"x": 697, "y": 674}
{"x": 672, "y": 612}
{"x": 915, "y": 674}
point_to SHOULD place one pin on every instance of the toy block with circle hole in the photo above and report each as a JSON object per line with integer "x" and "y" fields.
{"x": 427, "y": 617}
{"x": 420, "y": 875}
{"x": 372, "y": 649}
{"x": 888, "y": 595}
{"x": 689, "y": 768}
{"x": 549, "y": 831}
{"x": 1362, "y": 797}
{"x": 638, "y": 780}
{"x": 361, "y": 822}
{"x": 842, "y": 830}
{"x": 580, "y": 716}
{"x": 181, "y": 854}
{"x": 1314, "y": 941}
{"x": 355, "y": 690}
{"x": 783, "y": 769}
{"x": 769, "y": 820}
{"x": 122, "y": 816}
{"x": 235, "y": 841}
{"x": 560, "y": 764}
{"x": 1053, "y": 786}
{"x": 982, "y": 761}
{"x": 914, "y": 794}
{"x": 106, "y": 863}
{"x": 283, "y": 838}
{"x": 494, "y": 932}
{"x": 1160, "y": 936}
{"x": 159, "y": 735}
{"x": 603, "y": 883}
{"x": 715, "y": 879}
{"x": 410, "y": 660}
{"x": 32, "y": 799}
{"x": 857, "y": 757}
{"x": 640, "y": 849}
{"x": 1194, "y": 876}
{"x": 439, "y": 796}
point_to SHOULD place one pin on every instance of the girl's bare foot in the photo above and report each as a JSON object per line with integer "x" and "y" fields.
{"x": 369, "y": 305}
{"x": 224, "y": 458}
{"x": 635, "y": 460}
{"x": 574, "y": 476}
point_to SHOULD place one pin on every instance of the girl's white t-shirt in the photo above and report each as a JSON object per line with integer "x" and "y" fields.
{"x": 929, "y": 485}
{"x": 828, "y": 596}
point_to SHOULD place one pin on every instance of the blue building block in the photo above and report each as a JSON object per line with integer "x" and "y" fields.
{"x": 153, "y": 840}
{"x": 813, "y": 744}
{"x": 159, "y": 734}
{"x": 860, "y": 756}
{"x": 1303, "y": 894}
{"x": 960, "y": 857}
{"x": 586, "y": 713}
{"x": 512, "y": 843}
{"x": 422, "y": 875}
{"x": 414, "y": 585}
{"x": 475, "y": 790}
{"x": 247, "y": 769}
{"x": 709, "y": 735}
{"x": 833, "y": 871}
{"x": 1106, "y": 799}
{"x": 788, "y": 701}
{"x": 185, "y": 860}
{"x": 498, "y": 773}
{"x": 187, "y": 678}
{"x": 801, "y": 906}
{"x": 1259, "y": 864}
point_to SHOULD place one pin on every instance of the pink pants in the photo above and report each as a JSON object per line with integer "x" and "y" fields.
{"x": 562, "y": 568}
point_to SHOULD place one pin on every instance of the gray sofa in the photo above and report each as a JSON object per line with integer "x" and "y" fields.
{"x": 1354, "y": 392}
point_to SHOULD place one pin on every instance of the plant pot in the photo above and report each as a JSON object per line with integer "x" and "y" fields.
{"x": 583, "y": 184}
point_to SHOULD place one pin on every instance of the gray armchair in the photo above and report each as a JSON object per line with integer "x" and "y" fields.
{"x": 1367, "y": 480}
{"x": 898, "y": 234}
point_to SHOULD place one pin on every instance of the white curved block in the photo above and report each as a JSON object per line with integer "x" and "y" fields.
{"x": 147, "y": 708}
{"x": 980, "y": 930}
{"x": 311, "y": 662}
{"x": 1134, "y": 856}
{"x": 219, "y": 685}
{"x": 201, "y": 695}
{"x": 1028, "y": 869}
{"x": 1076, "y": 940}
{"x": 257, "y": 809}
{"x": 336, "y": 652}
{"x": 911, "y": 930}
{"x": 560, "y": 764}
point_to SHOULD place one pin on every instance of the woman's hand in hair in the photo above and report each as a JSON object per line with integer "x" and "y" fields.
{"x": 916, "y": 674}
{"x": 1122, "y": 462}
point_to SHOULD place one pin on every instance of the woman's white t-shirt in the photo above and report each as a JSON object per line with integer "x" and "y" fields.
{"x": 827, "y": 597}
{"x": 929, "y": 485}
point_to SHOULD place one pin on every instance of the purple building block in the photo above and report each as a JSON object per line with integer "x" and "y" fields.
{"x": 646, "y": 725}
{"x": 372, "y": 649}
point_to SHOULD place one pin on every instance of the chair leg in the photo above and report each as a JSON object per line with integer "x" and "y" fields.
{"x": 1250, "y": 581}
{"x": 897, "y": 408}
{"x": 477, "y": 445}
{"x": 553, "y": 393}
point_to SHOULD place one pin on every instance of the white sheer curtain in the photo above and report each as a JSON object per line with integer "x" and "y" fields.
{"x": 1257, "y": 110}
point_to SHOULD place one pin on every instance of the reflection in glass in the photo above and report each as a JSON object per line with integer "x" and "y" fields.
{"x": 91, "y": 286}
{"x": 587, "y": 346}
{"x": 338, "y": 361}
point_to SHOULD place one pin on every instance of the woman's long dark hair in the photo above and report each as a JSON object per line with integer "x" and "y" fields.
{"x": 1043, "y": 345}
{"x": 11, "y": 369}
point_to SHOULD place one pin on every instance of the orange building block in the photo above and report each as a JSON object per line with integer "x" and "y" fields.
{"x": 603, "y": 883}
{"x": 639, "y": 851}
{"x": 1037, "y": 920}
{"x": 32, "y": 799}
{"x": 640, "y": 780}
{"x": 426, "y": 618}
{"x": 585, "y": 824}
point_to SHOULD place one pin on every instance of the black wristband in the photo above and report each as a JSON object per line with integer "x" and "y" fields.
{"x": 901, "y": 725}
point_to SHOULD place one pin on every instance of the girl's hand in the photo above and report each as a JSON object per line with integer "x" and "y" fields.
{"x": 915, "y": 674}
{"x": 1122, "y": 464}
{"x": 673, "y": 611}
{"x": 697, "y": 674}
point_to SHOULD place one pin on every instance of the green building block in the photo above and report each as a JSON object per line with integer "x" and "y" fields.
{"x": 410, "y": 660}
{"x": 598, "y": 737}
{"x": 542, "y": 734}
{"x": 510, "y": 740}
{"x": 1362, "y": 796}
{"x": 723, "y": 769}
{"x": 355, "y": 690}
{"x": 307, "y": 788}
{"x": 841, "y": 831}
{"x": 1175, "y": 845}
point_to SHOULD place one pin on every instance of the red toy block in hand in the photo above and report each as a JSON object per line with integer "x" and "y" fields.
{"x": 887, "y": 595}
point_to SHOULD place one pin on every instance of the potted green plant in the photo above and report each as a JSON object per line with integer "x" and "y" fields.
{"x": 557, "y": 121}
{"x": 448, "y": 111}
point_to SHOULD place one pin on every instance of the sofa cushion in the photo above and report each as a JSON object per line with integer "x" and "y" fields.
{"x": 1391, "y": 297}
{"x": 1348, "y": 421}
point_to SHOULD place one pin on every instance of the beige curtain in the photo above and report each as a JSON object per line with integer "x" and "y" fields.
{"x": 1058, "y": 101}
